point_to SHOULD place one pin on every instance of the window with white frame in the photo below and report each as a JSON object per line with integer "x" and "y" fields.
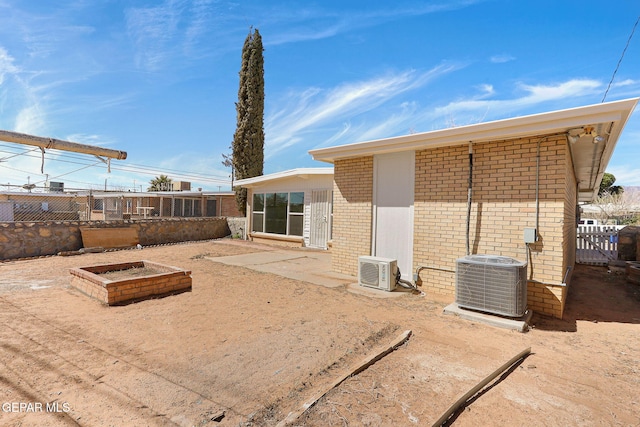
{"x": 258, "y": 212}
{"x": 278, "y": 213}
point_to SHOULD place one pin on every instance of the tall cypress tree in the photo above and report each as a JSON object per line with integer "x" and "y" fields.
{"x": 248, "y": 140}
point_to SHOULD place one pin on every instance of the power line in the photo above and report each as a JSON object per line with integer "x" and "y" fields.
{"x": 14, "y": 169}
{"x": 68, "y": 173}
{"x": 15, "y": 155}
{"x": 132, "y": 168}
{"x": 620, "y": 60}
{"x": 84, "y": 158}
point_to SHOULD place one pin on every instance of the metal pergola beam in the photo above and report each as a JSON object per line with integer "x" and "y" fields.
{"x": 57, "y": 144}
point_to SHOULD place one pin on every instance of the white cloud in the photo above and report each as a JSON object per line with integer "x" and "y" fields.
{"x": 199, "y": 23}
{"x": 502, "y": 58}
{"x": 304, "y": 24}
{"x": 95, "y": 140}
{"x": 627, "y": 82}
{"x": 399, "y": 120}
{"x": 314, "y": 107}
{"x": 152, "y": 30}
{"x": 6, "y": 64}
{"x": 487, "y": 90}
{"x": 624, "y": 89}
{"x": 358, "y": 107}
{"x": 570, "y": 88}
{"x": 30, "y": 120}
{"x": 173, "y": 29}
{"x": 626, "y": 175}
{"x": 304, "y": 34}
{"x": 532, "y": 95}
{"x": 346, "y": 127}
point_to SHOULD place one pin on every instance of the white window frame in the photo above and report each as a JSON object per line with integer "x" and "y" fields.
{"x": 289, "y": 214}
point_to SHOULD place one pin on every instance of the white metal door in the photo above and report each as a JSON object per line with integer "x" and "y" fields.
{"x": 319, "y": 226}
{"x": 393, "y": 212}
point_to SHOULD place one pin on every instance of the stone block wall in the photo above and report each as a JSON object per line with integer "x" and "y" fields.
{"x": 237, "y": 226}
{"x": 32, "y": 239}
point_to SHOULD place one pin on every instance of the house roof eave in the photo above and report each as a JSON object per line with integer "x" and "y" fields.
{"x": 589, "y": 160}
{"x": 505, "y": 129}
{"x": 302, "y": 173}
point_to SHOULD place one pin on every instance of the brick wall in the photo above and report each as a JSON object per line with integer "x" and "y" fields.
{"x": 504, "y": 203}
{"x": 227, "y": 206}
{"x": 352, "y": 214}
{"x": 504, "y": 194}
{"x": 167, "y": 280}
{"x": 440, "y": 212}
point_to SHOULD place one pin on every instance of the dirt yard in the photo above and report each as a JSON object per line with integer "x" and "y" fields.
{"x": 245, "y": 348}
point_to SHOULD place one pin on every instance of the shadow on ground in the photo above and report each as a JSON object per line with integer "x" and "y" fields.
{"x": 596, "y": 294}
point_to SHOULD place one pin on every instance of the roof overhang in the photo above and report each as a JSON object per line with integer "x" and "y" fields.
{"x": 157, "y": 194}
{"x": 301, "y": 173}
{"x": 590, "y": 160}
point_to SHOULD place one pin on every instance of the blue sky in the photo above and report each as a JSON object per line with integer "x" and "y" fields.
{"x": 159, "y": 79}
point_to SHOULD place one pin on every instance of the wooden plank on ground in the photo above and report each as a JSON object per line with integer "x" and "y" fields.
{"x": 355, "y": 369}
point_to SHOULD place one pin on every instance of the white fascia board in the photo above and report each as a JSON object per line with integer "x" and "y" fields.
{"x": 519, "y": 127}
{"x": 302, "y": 173}
{"x": 153, "y": 194}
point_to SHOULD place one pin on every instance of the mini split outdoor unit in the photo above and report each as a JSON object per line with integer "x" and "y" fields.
{"x": 376, "y": 272}
{"x": 493, "y": 284}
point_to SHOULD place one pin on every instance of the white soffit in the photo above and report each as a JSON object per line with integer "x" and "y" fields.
{"x": 518, "y": 127}
{"x": 302, "y": 173}
{"x": 590, "y": 160}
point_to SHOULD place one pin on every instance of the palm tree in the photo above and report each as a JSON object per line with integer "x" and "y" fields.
{"x": 160, "y": 183}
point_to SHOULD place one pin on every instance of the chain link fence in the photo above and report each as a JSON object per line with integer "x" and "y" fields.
{"x": 42, "y": 207}
{"x": 52, "y": 206}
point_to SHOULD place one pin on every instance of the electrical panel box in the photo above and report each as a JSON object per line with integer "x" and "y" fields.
{"x": 530, "y": 235}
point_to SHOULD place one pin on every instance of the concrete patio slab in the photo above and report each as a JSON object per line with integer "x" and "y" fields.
{"x": 355, "y": 288}
{"x": 520, "y": 324}
{"x": 307, "y": 265}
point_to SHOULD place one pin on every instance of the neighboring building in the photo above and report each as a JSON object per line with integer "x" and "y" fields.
{"x": 180, "y": 186}
{"x": 101, "y": 206}
{"x": 22, "y": 206}
{"x": 406, "y": 197}
{"x": 291, "y": 207}
{"x": 165, "y": 204}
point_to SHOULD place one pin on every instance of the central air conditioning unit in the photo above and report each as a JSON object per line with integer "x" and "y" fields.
{"x": 376, "y": 272}
{"x": 493, "y": 284}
